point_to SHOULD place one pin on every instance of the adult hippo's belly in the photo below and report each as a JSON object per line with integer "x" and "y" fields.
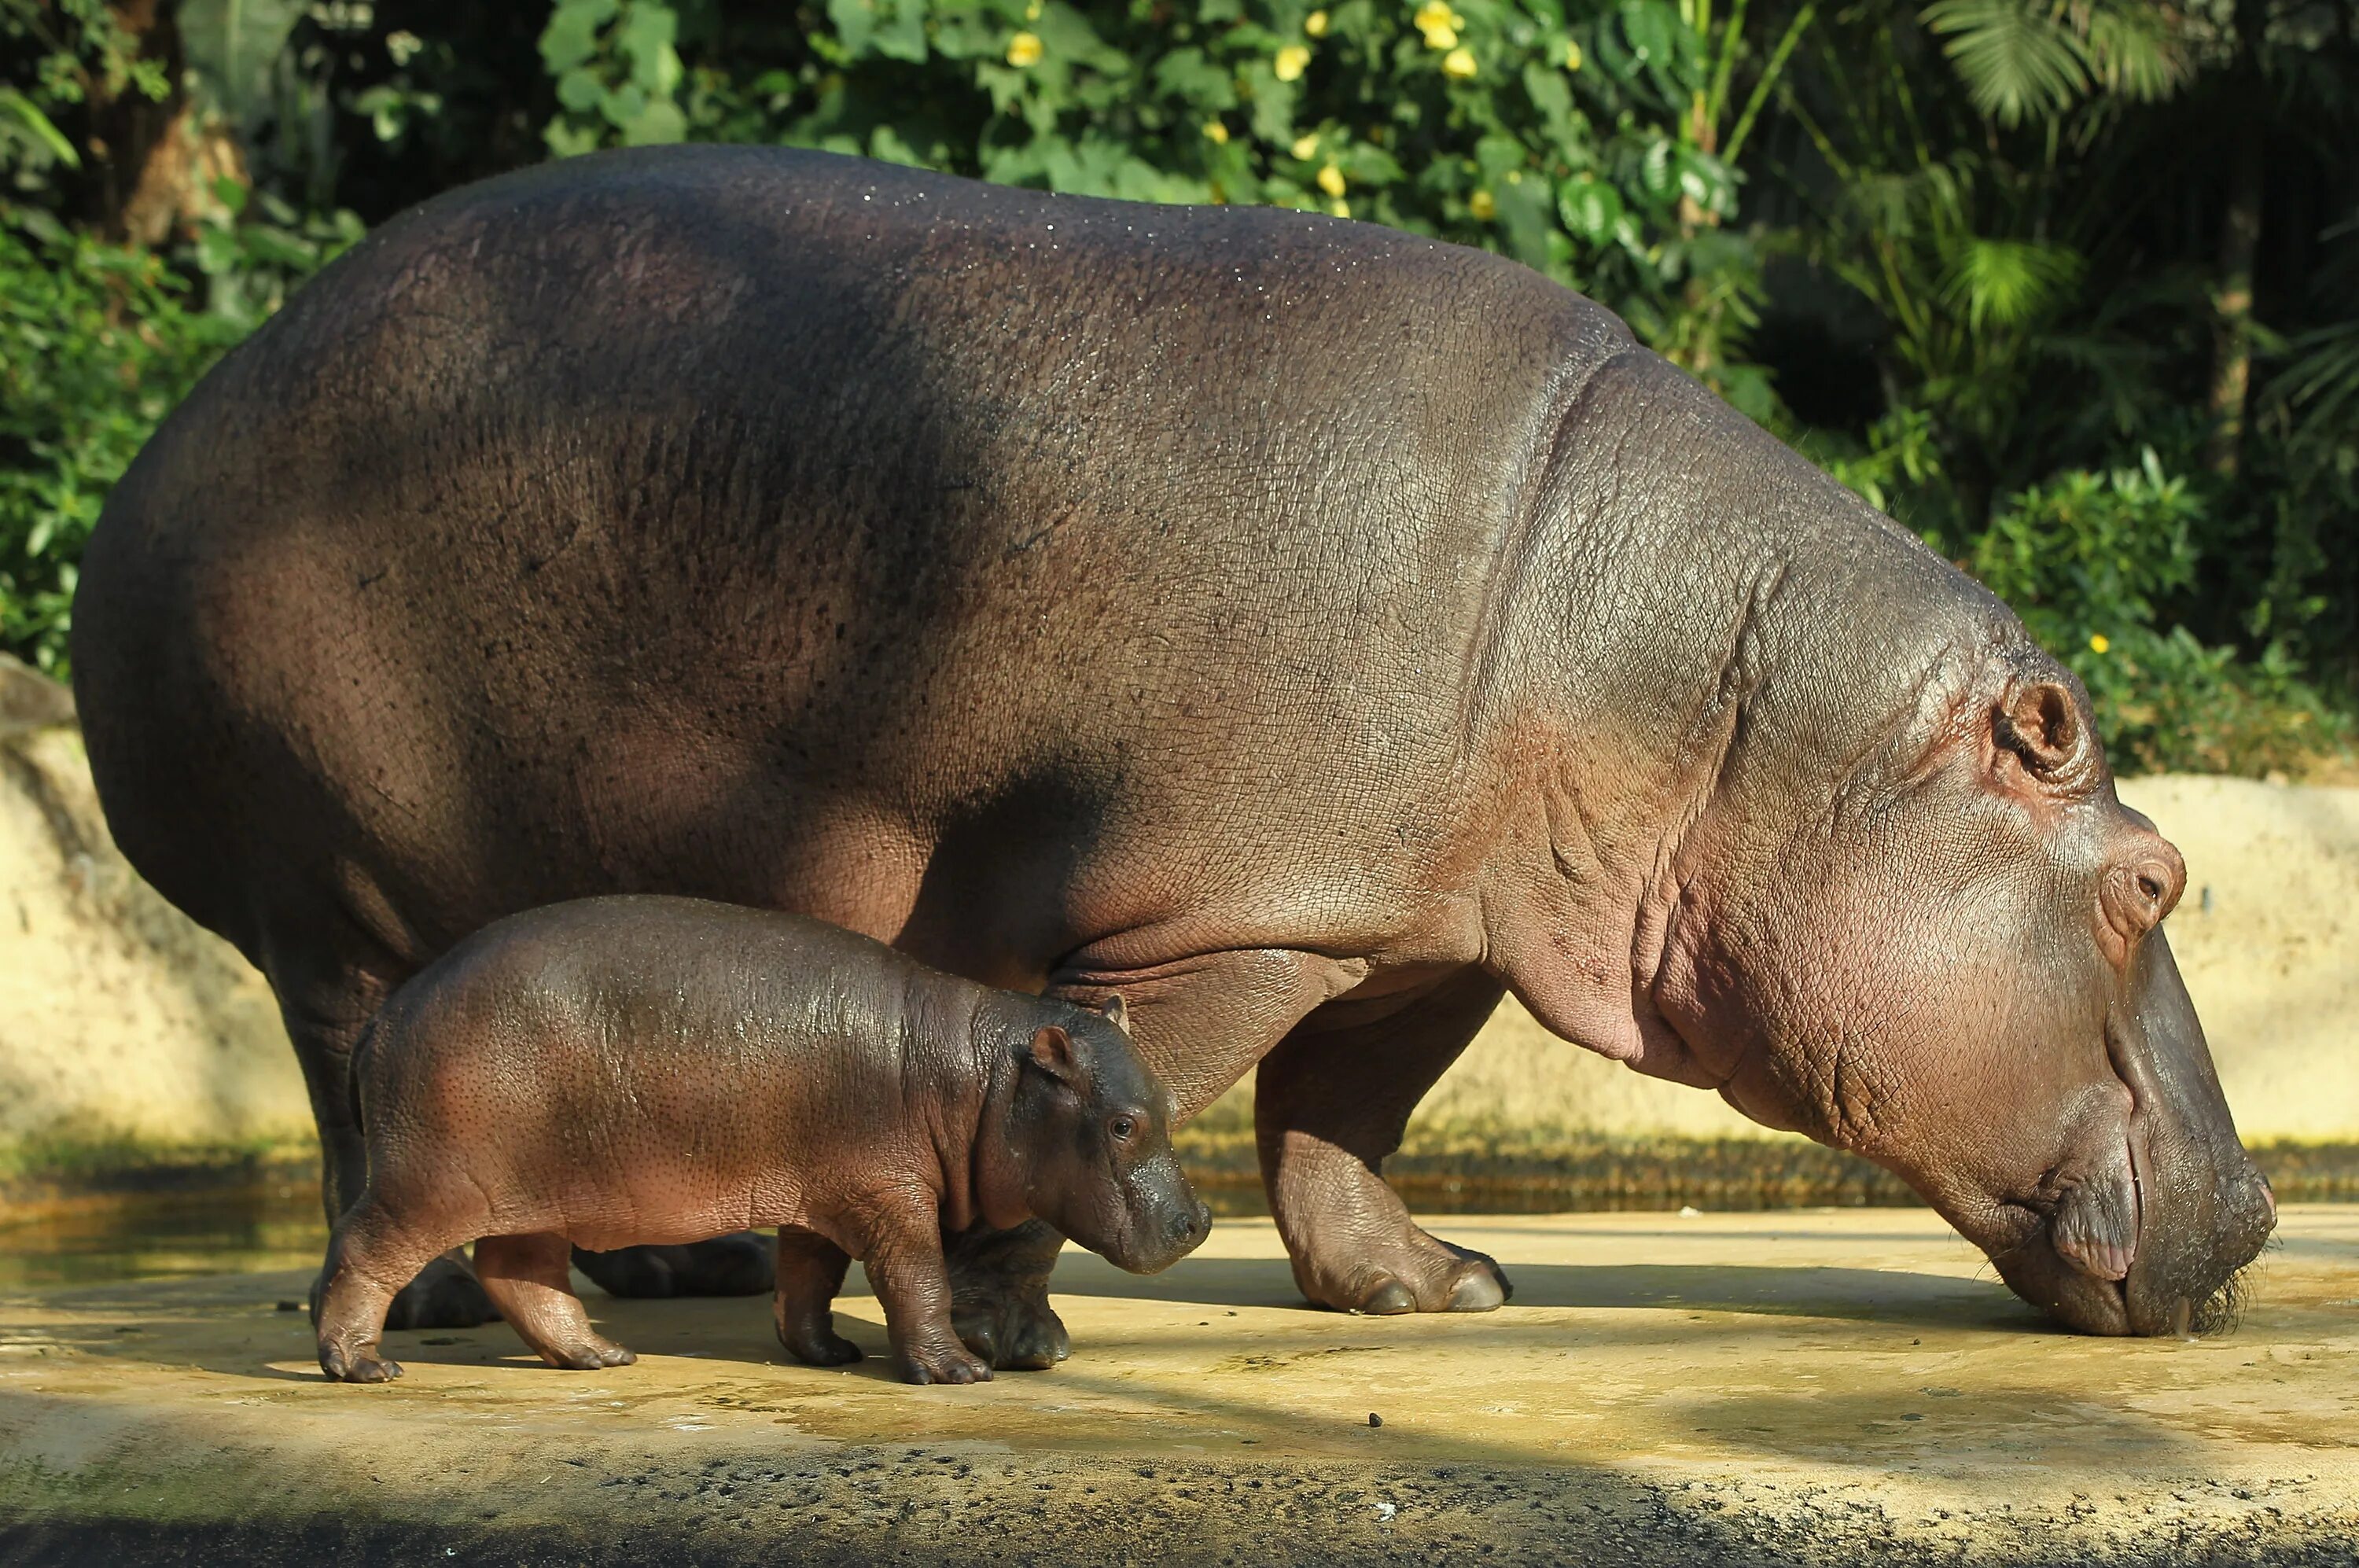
{"x": 1304, "y": 631}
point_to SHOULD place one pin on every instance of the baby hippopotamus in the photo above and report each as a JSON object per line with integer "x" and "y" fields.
{"x": 621, "y": 1071}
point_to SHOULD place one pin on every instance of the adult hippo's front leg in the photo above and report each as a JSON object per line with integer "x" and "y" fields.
{"x": 1330, "y": 1104}
{"x": 1202, "y": 1023}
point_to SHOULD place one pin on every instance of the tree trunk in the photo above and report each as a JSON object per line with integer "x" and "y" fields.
{"x": 2240, "y": 236}
{"x": 154, "y": 163}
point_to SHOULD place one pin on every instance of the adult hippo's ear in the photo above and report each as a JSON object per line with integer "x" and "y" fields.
{"x": 2038, "y": 726}
{"x": 1052, "y": 1052}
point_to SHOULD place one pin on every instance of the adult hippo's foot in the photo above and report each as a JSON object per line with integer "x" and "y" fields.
{"x": 999, "y": 1296}
{"x": 1360, "y": 1252}
{"x": 739, "y": 1264}
{"x": 1329, "y": 1105}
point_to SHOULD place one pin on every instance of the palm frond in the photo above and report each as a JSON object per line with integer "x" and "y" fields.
{"x": 2018, "y": 58}
{"x": 2133, "y": 52}
{"x": 2006, "y": 283}
{"x": 2320, "y": 385}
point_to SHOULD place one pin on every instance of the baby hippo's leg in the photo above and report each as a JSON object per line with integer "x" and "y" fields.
{"x": 905, "y": 1263}
{"x": 371, "y": 1256}
{"x": 524, "y": 1277}
{"x": 810, "y": 1273}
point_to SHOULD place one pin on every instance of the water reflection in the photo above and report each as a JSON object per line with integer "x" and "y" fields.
{"x": 164, "y": 1237}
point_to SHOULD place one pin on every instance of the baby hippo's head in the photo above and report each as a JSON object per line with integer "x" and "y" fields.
{"x": 1089, "y": 1129}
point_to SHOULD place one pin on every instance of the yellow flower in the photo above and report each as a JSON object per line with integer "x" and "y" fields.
{"x": 1032, "y": 12}
{"x": 1459, "y": 62}
{"x": 1571, "y": 55}
{"x": 1331, "y": 180}
{"x": 2099, "y": 643}
{"x": 1341, "y": 209}
{"x": 1216, "y": 133}
{"x": 1290, "y": 62}
{"x": 1431, "y": 15}
{"x": 1315, "y": 24}
{"x": 1024, "y": 50}
{"x": 1306, "y": 146}
{"x": 1482, "y": 205}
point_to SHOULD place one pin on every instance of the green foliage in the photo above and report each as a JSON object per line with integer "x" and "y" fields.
{"x": 67, "y": 53}
{"x": 617, "y": 74}
{"x": 233, "y": 47}
{"x": 96, "y": 344}
{"x": 1576, "y": 139}
{"x": 2032, "y": 58}
{"x": 2089, "y": 560}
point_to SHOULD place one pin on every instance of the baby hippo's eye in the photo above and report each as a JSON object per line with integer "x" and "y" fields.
{"x": 1122, "y": 1127}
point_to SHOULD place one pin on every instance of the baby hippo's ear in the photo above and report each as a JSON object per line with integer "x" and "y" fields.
{"x": 1052, "y": 1052}
{"x": 1115, "y": 1013}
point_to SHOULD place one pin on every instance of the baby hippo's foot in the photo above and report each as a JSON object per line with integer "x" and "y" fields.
{"x": 946, "y": 1362}
{"x": 356, "y": 1363}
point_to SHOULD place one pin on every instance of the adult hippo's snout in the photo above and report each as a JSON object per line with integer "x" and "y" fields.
{"x": 1965, "y": 978}
{"x": 2201, "y": 1210}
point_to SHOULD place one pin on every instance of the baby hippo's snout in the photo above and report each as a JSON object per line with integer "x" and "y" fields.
{"x": 1094, "y": 1127}
{"x": 1188, "y": 1229}
{"x": 1172, "y": 1222}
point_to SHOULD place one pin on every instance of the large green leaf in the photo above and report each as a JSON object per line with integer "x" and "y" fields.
{"x": 232, "y": 46}
{"x": 19, "y": 107}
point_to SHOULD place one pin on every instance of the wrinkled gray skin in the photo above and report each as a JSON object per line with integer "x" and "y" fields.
{"x": 1305, "y": 631}
{"x": 623, "y": 1071}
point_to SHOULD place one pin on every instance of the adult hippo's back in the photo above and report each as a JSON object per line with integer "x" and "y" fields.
{"x": 1302, "y": 629}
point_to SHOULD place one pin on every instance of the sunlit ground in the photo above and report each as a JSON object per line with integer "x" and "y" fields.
{"x": 1812, "y": 1386}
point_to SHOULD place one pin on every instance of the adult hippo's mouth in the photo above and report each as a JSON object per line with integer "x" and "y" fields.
{"x": 2155, "y": 1240}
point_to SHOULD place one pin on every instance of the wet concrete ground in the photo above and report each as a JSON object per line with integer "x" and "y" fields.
{"x": 1836, "y": 1387}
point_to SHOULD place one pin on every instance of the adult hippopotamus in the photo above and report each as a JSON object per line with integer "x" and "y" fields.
{"x": 1305, "y": 631}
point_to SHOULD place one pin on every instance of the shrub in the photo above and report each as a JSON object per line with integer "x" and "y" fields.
{"x": 2086, "y": 559}
{"x": 98, "y": 343}
{"x": 1594, "y": 143}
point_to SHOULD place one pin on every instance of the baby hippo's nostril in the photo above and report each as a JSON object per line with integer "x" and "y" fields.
{"x": 1190, "y": 1225}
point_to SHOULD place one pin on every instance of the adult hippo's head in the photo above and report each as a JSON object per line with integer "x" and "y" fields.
{"x": 1943, "y": 951}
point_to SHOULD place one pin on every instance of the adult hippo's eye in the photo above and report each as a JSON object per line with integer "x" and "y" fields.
{"x": 1122, "y": 1127}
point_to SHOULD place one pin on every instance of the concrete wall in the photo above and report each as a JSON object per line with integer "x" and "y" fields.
{"x": 121, "y": 1022}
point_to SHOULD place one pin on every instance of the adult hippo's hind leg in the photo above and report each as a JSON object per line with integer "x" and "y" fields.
{"x": 324, "y": 1017}
{"x": 738, "y": 1264}
{"x": 1329, "y": 1105}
